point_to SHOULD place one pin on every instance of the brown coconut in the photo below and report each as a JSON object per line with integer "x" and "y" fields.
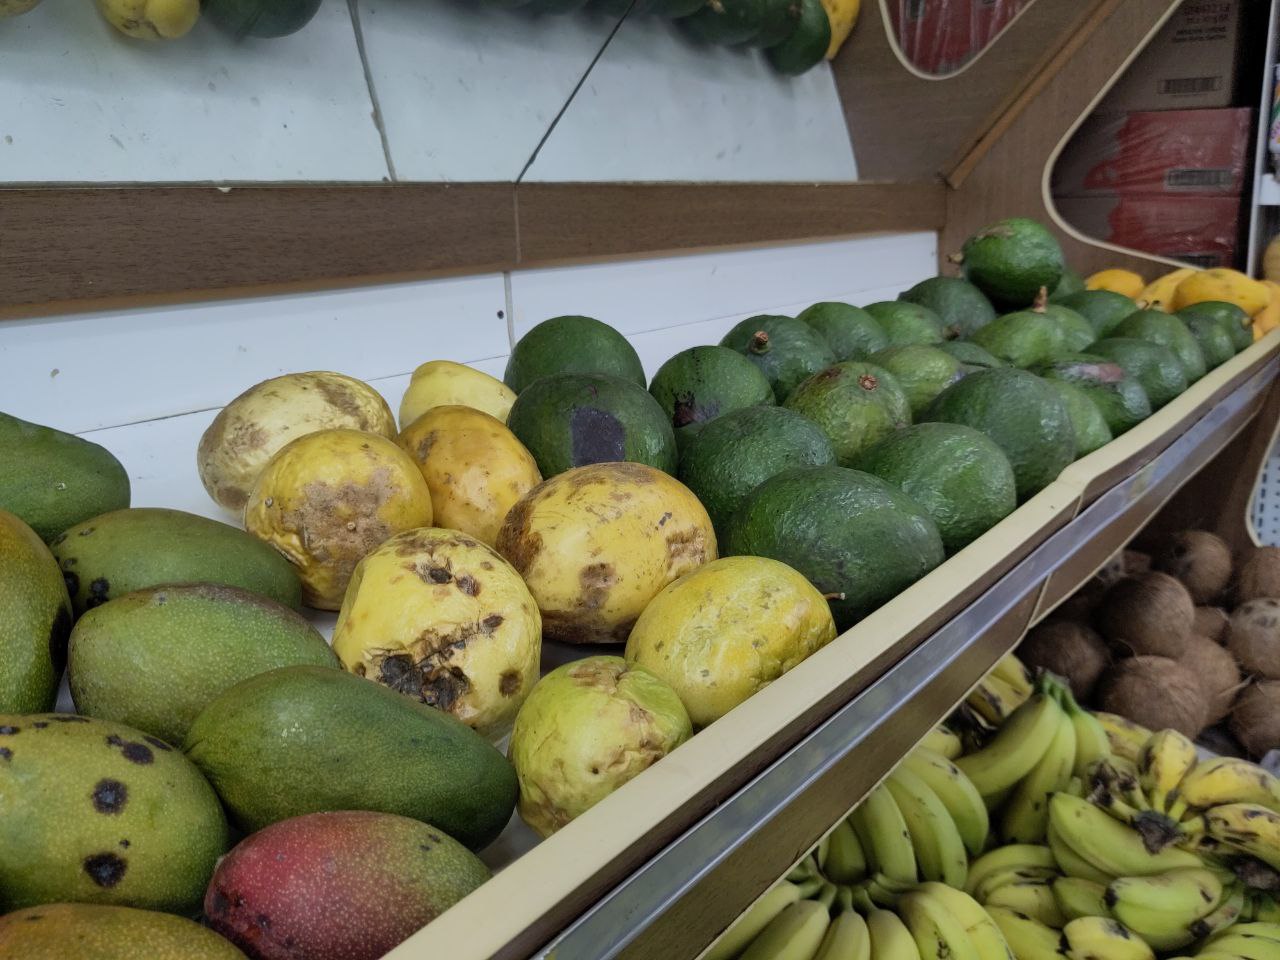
{"x": 1148, "y": 614}
{"x": 1254, "y": 637}
{"x": 1259, "y": 575}
{"x": 1069, "y": 649}
{"x": 1080, "y": 606}
{"x": 1156, "y": 692}
{"x": 1136, "y": 562}
{"x": 1218, "y": 673}
{"x": 1201, "y": 560}
{"x": 1255, "y": 721}
{"x": 1113, "y": 570}
{"x": 1211, "y": 622}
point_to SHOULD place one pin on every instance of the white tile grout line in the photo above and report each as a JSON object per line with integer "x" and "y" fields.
{"x": 373, "y": 93}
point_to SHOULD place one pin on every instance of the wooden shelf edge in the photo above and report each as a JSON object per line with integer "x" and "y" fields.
{"x": 77, "y": 248}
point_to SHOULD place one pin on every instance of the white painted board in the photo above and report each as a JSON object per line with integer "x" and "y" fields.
{"x": 83, "y": 103}
{"x": 658, "y": 106}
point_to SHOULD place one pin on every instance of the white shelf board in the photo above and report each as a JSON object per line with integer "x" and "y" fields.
{"x": 658, "y": 106}
{"x": 467, "y": 90}
{"x": 84, "y": 103}
{"x": 1268, "y": 191}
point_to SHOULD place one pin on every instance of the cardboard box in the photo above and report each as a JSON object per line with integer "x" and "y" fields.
{"x": 1189, "y": 64}
{"x": 1203, "y": 231}
{"x": 1162, "y": 151}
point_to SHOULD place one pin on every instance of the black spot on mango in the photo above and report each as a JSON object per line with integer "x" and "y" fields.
{"x": 105, "y": 869}
{"x": 109, "y": 796}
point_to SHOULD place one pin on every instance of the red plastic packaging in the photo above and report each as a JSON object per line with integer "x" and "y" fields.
{"x": 941, "y": 36}
{"x": 1203, "y": 231}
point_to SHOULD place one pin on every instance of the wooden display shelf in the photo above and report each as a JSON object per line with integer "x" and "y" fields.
{"x": 673, "y": 856}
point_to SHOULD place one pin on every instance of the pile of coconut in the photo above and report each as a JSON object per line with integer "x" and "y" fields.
{"x": 1183, "y": 637}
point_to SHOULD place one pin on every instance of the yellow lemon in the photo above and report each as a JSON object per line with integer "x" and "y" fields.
{"x": 252, "y": 427}
{"x": 595, "y": 544}
{"x": 1117, "y": 281}
{"x": 475, "y": 468}
{"x": 731, "y": 627}
{"x": 327, "y": 499}
{"x": 441, "y": 617}
{"x": 443, "y": 382}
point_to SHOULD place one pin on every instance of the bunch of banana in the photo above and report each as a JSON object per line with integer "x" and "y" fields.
{"x": 997, "y": 695}
{"x": 1089, "y": 843}
{"x": 1246, "y": 941}
{"x": 1126, "y": 737}
{"x": 1168, "y": 909}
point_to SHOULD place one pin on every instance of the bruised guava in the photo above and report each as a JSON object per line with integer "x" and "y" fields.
{"x": 441, "y": 617}
{"x": 337, "y": 886}
{"x": 587, "y": 728}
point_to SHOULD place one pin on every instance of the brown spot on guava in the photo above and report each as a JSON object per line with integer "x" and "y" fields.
{"x": 596, "y": 580}
{"x": 436, "y": 575}
{"x": 662, "y": 520}
{"x": 340, "y": 397}
{"x": 510, "y": 682}
{"x": 424, "y": 446}
{"x": 109, "y": 796}
{"x": 468, "y": 585}
{"x": 105, "y": 869}
{"x": 516, "y": 541}
{"x": 445, "y": 687}
{"x": 486, "y": 565}
{"x": 492, "y": 622}
{"x": 689, "y": 544}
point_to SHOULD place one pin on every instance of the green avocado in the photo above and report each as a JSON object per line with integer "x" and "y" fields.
{"x": 857, "y": 538}
{"x": 701, "y": 383}
{"x": 1022, "y": 413}
{"x": 851, "y": 332}
{"x": 1024, "y": 338}
{"x": 571, "y": 344}
{"x": 958, "y": 474}
{"x": 1070, "y": 284}
{"x": 155, "y": 658}
{"x": 922, "y": 371}
{"x": 733, "y": 454}
{"x": 726, "y": 22}
{"x": 958, "y": 303}
{"x": 785, "y": 349}
{"x": 1011, "y": 260}
{"x": 907, "y": 323}
{"x": 53, "y": 480}
{"x": 35, "y": 618}
{"x": 1102, "y": 308}
{"x": 573, "y": 419}
{"x": 1121, "y": 399}
{"x": 1213, "y": 337}
{"x": 1156, "y": 326}
{"x": 807, "y": 45}
{"x": 777, "y": 23}
{"x": 306, "y": 739}
{"x": 1077, "y": 332}
{"x": 1234, "y": 320}
{"x": 97, "y": 812}
{"x": 260, "y": 18}
{"x": 855, "y": 403}
{"x": 127, "y": 550}
{"x": 1155, "y": 367}
{"x": 1087, "y": 422}
{"x": 971, "y": 355}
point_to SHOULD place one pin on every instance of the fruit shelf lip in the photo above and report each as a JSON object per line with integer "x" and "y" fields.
{"x": 816, "y": 739}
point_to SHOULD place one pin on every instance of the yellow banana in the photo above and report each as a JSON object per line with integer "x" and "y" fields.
{"x": 1248, "y": 827}
{"x": 845, "y": 861}
{"x": 940, "y": 853}
{"x": 1229, "y": 780}
{"x": 1026, "y": 814}
{"x": 758, "y": 916}
{"x": 938, "y": 933}
{"x": 1080, "y": 898}
{"x": 943, "y": 741}
{"x": 1223, "y": 916}
{"x": 1007, "y": 860}
{"x": 957, "y": 793}
{"x": 1028, "y": 938}
{"x": 883, "y": 833}
{"x": 1126, "y": 736}
{"x": 151, "y": 19}
{"x": 1162, "y": 909}
{"x": 1018, "y": 746}
{"x": 1108, "y": 844}
{"x": 1249, "y": 946}
{"x": 890, "y": 938}
{"x": 1270, "y": 931}
{"x": 981, "y": 929}
{"x": 1092, "y": 744}
{"x": 1035, "y": 898}
{"x": 1071, "y": 863}
{"x": 794, "y": 934}
{"x": 1162, "y": 763}
{"x": 1159, "y": 293}
{"x": 1101, "y": 938}
{"x": 1015, "y": 674}
{"x": 846, "y": 939}
{"x": 994, "y": 700}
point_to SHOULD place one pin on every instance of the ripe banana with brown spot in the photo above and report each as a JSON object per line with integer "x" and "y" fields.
{"x": 1126, "y": 736}
{"x": 1163, "y": 761}
{"x": 1229, "y": 780}
{"x": 1247, "y": 827}
{"x": 1101, "y": 938}
{"x": 957, "y": 793}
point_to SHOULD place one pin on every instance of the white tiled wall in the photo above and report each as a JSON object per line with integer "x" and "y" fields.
{"x": 465, "y": 91}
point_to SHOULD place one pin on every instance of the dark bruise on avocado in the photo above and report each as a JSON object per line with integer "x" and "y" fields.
{"x": 701, "y": 383}
{"x": 1153, "y": 365}
{"x": 785, "y": 349}
{"x": 1121, "y": 399}
{"x": 573, "y": 419}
